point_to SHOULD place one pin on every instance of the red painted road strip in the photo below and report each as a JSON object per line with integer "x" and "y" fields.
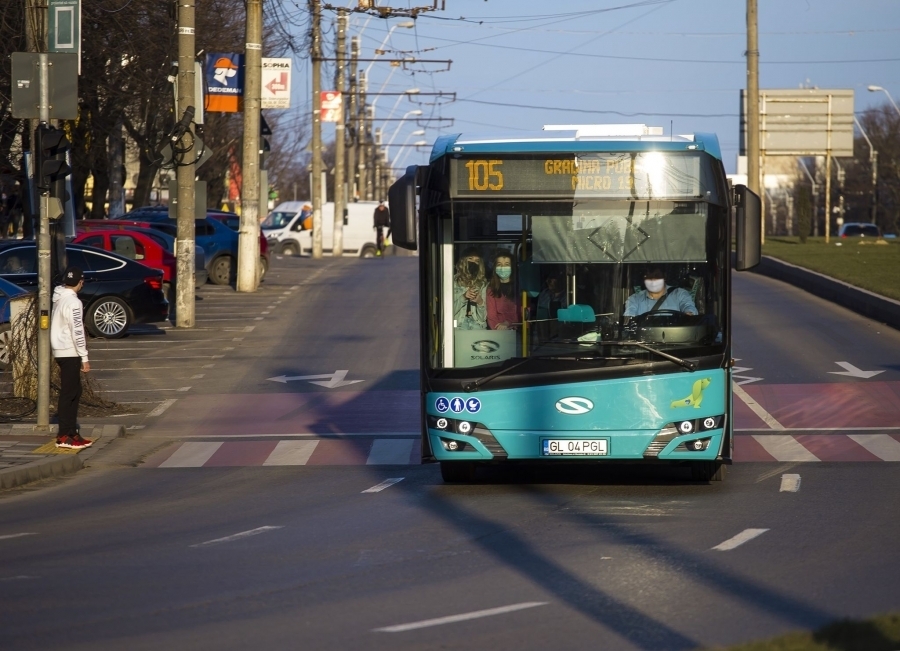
{"x": 840, "y": 404}
{"x": 241, "y": 453}
{"x": 835, "y": 448}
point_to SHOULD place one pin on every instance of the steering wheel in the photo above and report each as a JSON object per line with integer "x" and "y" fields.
{"x": 660, "y": 318}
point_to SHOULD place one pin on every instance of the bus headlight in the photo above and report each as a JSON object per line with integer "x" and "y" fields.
{"x": 686, "y": 426}
{"x": 464, "y": 427}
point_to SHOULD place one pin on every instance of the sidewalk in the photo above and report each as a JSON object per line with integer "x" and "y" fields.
{"x": 26, "y": 455}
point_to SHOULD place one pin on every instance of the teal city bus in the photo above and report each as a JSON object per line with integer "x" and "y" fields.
{"x": 575, "y": 297}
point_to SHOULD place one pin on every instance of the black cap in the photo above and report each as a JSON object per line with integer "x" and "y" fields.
{"x": 72, "y": 276}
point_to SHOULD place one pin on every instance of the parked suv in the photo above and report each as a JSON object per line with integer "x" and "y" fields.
{"x": 220, "y": 243}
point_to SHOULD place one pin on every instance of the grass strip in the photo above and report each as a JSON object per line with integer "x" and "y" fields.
{"x": 859, "y": 261}
{"x": 880, "y": 633}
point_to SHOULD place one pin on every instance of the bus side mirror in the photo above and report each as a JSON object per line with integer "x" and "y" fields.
{"x": 402, "y": 204}
{"x": 747, "y": 227}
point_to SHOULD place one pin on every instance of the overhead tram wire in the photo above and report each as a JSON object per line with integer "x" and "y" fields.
{"x": 568, "y": 16}
{"x": 596, "y": 111}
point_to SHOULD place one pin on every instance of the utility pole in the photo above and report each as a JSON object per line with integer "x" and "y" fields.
{"x": 35, "y": 41}
{"x": 362, "y": 136}
{"x": 43, "y": 253}
{"x": 753, "y": 180}
{"x": 339, "y": 143}
{"x": 316, "y": 189}
{"x": 248, "y": 241}
{"x": 351, "y": 118}
{"x": 185, "y": 175}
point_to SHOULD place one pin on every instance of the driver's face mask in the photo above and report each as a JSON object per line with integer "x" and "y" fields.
{"x": 655, "y": 285}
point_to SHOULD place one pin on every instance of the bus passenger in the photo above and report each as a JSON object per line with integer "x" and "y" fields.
{"x": 502, "y": 306}
{"x": 469, "y": 309}
{"x": 659, "y": 296}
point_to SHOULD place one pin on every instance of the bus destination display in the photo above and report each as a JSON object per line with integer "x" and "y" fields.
{"x": 651, "y": 175}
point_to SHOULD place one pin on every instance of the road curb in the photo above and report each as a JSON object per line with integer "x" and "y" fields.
{"x": 59, "y": 465}
{"x": 861, "y": 301}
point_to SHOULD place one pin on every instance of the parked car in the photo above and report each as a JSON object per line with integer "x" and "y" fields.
{"x": 117, "y": 292}
{"x": 233, "y": 222}
{"x": 859, "y": 229}
{"x": 289, "y": 228}
{"x": 8, "y": 291}
{"x": 166, "y": 243}
{"x": 219, "y": 242}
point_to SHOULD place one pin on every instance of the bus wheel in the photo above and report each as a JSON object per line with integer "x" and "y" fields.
{"x": 457, "y": 472}
{"x": 707, "y": 471}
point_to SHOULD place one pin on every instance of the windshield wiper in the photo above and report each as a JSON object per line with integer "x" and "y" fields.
{"x": 468, "y": 387}
{"x": 691, "y": 366}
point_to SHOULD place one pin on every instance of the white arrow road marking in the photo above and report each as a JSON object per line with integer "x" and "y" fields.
{"x": 852, "y": 371}
{"x": 756, "y": 408}
{"x": 16, "y": 535}
{"x": 238, "y": 536}
{"x": 377, "y": 488}
{"x": 740, "y": 539}
{"x": 328, "y": 380}
{"x": 452, "y": 619}
{"x": 789, "y": 484}
{"x": 744, "y": 379}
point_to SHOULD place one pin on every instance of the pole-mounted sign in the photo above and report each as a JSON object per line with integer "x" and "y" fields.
{"x": 64, "y": 24}
{"x": 276, "y": 83}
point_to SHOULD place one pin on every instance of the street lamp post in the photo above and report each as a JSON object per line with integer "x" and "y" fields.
{"x": 400, "y": 124}
{"x": 415, "y": 145}
{"x": 418, "y": 132}
{"x": 379, "y": 51}
{"x": 873, "y": 89}
{"x": 873, "y": 159}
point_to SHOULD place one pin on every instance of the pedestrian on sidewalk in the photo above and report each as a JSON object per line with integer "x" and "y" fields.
{"x": 69, "y": 344}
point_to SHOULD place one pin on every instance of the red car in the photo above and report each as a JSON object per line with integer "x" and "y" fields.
{"x": 132, "y": 245}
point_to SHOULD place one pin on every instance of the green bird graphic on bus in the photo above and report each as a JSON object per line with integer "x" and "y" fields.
{"x": 696, "y": 396}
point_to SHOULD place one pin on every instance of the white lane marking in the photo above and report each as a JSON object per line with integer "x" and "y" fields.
{"x": 390, "y": 451}
{"x": 207, "y": 366}
{"x": 162, "y": 407}
{"x": 756, "y": 408}
{"x": 882, "y": 446}
{"x": 191, "y": 455}
{"x": 199, "y": 376}
{"x": 270, "y": 307}
{"x": 740, "y": 539}
{"x": 16, "y": 535}
{"x": 259, "y": 318}
{"x": 238, "y": 536}
{"x": 297, "y": 286}
{"x": 784, "y": 448}
{"x": 789, "y": 484}
{"x": 265, "y": 312}
{"x": 377, "y": 488}
{"x": 228, "y": 348}
{"x": 452, "y": 619}
{"x": 20, "y": 577}
{"x": 143, "y": 390}
{"x": 852, "y": 371}
{"x": 291, "y": 453}
{"x": 823, "y": 430}
{"x": 238, "y": 339}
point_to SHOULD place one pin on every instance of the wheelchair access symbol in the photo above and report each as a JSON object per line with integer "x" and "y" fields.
{"x": 442, "y": 404}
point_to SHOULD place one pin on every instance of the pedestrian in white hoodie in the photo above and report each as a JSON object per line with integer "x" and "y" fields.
{"x": 69, "y": 344}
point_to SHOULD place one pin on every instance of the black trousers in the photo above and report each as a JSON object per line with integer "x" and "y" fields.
{"x": 69, "y": 394}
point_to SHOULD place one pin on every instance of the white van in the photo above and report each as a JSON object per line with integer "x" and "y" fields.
{"x": 288, "y": 228}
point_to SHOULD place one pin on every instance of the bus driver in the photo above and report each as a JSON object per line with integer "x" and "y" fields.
{"x": 658, "y": 296}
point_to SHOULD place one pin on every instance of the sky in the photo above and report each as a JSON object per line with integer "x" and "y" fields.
{"x": 679, "y": 64}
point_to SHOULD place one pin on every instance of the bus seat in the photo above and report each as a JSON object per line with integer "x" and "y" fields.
{"x": 576, "y": 314}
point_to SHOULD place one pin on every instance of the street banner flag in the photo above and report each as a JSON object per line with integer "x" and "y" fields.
{"x": 224, "y": 74}
{"x": 276, "y": 84}
{"x": 331, "y": 105}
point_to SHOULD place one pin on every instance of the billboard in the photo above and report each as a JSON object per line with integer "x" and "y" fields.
{"x": 224, "y": 75}
{"x": 802, "y": 122}
{"x": 331, "y": 105}
{"x": 276, "y": 84}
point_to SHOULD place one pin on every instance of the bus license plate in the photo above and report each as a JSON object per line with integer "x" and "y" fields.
{"x": 575, "y": 447}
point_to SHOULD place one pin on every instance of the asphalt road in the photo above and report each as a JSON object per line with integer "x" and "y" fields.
{"x": 141, "y": 552}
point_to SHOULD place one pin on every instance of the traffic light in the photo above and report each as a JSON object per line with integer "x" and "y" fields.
{"x": 51, "y": 165}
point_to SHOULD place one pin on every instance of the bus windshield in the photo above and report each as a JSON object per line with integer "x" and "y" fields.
{"x": 581, "y": 281}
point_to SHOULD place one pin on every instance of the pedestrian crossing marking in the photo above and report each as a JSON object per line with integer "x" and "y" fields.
{"x": 795, "y": 448}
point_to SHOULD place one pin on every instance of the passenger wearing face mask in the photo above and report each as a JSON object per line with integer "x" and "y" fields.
{"x": 658, "y": 296}
{"x": 502, "y": 306}
{"x": 469, "y": 284}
